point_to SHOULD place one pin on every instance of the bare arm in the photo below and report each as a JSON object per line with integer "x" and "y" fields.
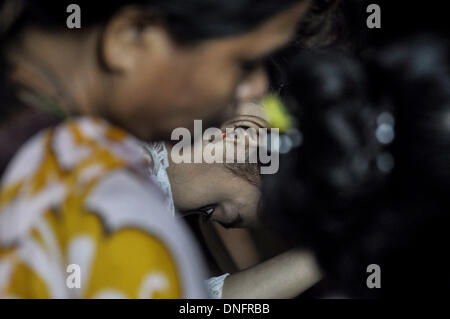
{"x": 284, "y": 276}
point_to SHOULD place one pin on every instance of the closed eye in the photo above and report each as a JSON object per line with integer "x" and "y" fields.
{"x": 206, "y": 212}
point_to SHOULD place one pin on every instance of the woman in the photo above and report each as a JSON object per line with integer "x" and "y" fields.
{"x": 75, "y": 195}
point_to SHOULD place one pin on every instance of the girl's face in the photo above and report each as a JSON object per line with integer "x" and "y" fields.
{"x": 213, "y": 190}
{"x": 158, "y": 85}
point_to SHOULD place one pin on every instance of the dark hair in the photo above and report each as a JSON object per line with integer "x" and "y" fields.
{"x": 187, "y": 21}
{"x": 369, "y": 184}
{"x": 333, "y": 22}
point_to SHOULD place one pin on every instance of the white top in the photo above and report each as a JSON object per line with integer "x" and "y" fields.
{"x": 215, "y": 285}
{"x": 158, "y": 159}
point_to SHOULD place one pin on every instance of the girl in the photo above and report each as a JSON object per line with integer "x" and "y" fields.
{"x": 229, "y": 194}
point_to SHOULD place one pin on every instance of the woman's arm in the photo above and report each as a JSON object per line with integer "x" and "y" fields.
{"x": 284, "y": 276}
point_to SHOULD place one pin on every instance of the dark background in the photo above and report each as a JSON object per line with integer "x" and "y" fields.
{"x": 402, "y": 18}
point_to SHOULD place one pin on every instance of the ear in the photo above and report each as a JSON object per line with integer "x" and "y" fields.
{"x": 130, "y": 36}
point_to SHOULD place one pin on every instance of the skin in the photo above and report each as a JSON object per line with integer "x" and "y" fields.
{"x": 284, "y": 276}
{"x": 136, "y": 76}
{"x": 140, "y": 67}
{"x": 235, "y": 201}
{"x": 196, "y": 187}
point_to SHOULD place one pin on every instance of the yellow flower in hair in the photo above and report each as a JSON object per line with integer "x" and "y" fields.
{"x": 276, "y": 113}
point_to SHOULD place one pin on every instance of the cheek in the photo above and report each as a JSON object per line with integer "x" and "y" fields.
{"x": 139, "y": 91}
{"x": 246, "y": 199}
{"x": 156, "y": 80}
{"x": 223, "y": 82}
{"x": 250, "y": 212}
{"x": 216, "y": 82}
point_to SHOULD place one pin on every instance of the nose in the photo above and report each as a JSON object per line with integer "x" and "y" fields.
{"x": 253, "y": 88}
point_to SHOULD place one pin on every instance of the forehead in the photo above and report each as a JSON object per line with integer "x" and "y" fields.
{"x": 271, "y": 34}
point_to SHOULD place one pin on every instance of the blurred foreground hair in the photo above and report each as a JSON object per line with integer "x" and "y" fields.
{"x": 370, "y": 182}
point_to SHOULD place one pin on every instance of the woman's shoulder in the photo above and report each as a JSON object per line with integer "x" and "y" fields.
{"x": 85, "y": 162}
{"x": 85, "y": 184}
{"x": 70, "y": 144}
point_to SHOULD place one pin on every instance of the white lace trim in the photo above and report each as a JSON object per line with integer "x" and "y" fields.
{"x": 158, "y": 159}
{"x": 215, "y": 285}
